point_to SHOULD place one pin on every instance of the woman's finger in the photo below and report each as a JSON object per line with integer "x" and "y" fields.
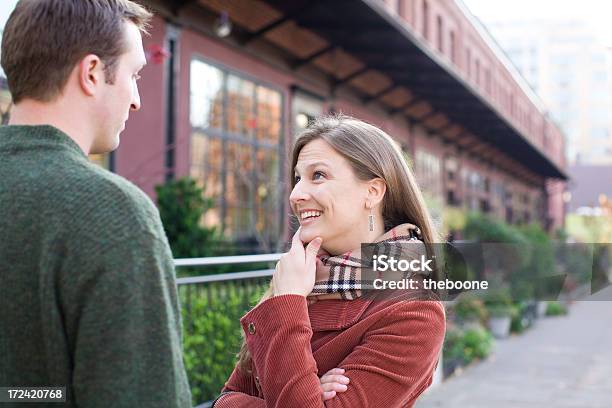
{"x": 337, "y": 378}
{"x": 328, "y": 395}
{"x": 333, "y": 387}
{"x": 336, "y": 370}
{"x": 296, "y": 242}
{"x": 311, "y": 251}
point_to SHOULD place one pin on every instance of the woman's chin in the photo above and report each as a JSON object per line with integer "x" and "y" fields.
{"x": 308, "y": 234}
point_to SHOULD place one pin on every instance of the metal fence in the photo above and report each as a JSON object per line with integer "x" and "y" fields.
{"x": 212, "y": 306}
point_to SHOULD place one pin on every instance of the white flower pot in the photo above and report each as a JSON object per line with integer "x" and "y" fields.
{"x": 500, "y": 326}
{"x": 541, "y": 308}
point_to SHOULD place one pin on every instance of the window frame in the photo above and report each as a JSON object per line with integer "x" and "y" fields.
{"x": 225, "y": 137}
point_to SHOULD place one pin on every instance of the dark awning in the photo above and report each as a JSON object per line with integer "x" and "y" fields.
{"x": 364, "y": 29}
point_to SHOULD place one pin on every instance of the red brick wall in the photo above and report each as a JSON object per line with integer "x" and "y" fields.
{"x": 141, "y": 154}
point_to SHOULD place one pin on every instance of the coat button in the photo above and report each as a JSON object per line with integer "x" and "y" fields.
{"x": 252, "y": 328}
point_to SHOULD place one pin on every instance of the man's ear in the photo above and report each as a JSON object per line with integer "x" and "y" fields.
{"x": 90, "y": 74}
{"x": 376, "y": 191}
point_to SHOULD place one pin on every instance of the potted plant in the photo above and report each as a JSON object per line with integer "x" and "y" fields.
{"x": 541, "y": 308}
{"x": 500, "y": 318}
{"x": 556, "y": 309}
{"x": 453, "y": 352}
{"x": 499, "y": 307}
{"x": 470, "y": 311}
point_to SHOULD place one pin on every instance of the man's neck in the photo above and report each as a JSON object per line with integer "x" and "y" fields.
{"x": 33, "y": 113}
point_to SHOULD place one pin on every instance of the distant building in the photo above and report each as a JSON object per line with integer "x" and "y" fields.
{"x": 572, "y": 72}
{"x": 590, "y": 188}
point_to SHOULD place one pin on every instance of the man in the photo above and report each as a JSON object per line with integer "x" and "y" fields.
{"x": 88, "y": 297}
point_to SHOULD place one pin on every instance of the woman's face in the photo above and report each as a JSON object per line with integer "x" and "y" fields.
{"x": 328, "y": 199}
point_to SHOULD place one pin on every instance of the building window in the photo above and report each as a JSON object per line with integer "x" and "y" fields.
{"x": 306, "y": 107}
{"x": 236, "y": 146}
{"x": 102, "y": 160}
{"x": 453, "y": 47}
{"x": 429, "y": 173}
{"x": 451, "y": 198}
{"x": 425, "y": 20}
{"x": 440, "y": 34}
{"x": 5, "y": 100}
{"x": 401, "y": 8}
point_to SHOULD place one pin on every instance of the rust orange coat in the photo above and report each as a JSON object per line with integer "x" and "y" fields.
{"x": 387, "y": 344}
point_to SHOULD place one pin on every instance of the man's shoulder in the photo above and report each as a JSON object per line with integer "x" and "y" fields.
{"x": 121, "y": 191}
{"x": 110, "y": 204}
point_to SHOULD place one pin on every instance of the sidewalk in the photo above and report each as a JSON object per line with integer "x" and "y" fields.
{"x": 561, "y": 362}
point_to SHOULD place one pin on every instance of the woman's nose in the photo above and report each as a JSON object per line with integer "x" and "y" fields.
{"x": 298, "y": 194}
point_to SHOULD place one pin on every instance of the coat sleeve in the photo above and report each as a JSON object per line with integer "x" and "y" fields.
{"x": 390, "y": 368}
{"x": 238, "y": 391}
{"x": 234, "y": 399}
{"x": 239, "y": 382}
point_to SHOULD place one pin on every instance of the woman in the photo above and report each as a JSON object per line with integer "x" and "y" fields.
{"x": 317, "y": 337}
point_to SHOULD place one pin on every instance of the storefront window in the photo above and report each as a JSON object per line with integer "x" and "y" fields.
{"x": 102, "y": 160}
{"x": 428, "y": 173}
{"x": 236, "y": 147}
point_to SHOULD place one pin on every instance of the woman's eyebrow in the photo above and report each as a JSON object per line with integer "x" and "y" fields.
{"x": 319, "y": 163}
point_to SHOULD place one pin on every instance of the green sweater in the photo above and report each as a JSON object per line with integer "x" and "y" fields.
{"x": 88, "y": 296}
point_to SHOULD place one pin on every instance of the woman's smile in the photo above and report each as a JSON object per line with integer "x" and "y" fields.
{"x": 308, "y": 217}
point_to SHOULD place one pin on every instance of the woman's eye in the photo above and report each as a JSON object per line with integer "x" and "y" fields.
{"x": 320, "y": 173}
{"x": 296, "y": 178}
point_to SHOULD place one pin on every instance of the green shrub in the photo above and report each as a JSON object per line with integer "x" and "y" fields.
{"x": 182, "y": 206}
{"x": 555, "y": 309}
{"x": 212, "y": 335}
{"x": 498, "y": 295}
{"x": 453, "y": 344}
{"x": 469, "y": 307}
{"x": 498, "y": 301}
{"x": 519, "y": 322}
{"x": 499, "y": 310}
{"x": 467, "y": 345}
{"x": 531, "y": 281}
{"x": 477, "y": 344}
{"x": 484, "y": 228}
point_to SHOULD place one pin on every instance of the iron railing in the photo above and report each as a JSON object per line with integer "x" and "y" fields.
{"x": 212, "y": 306}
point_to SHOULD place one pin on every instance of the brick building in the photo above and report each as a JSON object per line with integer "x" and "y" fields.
{"x": 222, "y": 104}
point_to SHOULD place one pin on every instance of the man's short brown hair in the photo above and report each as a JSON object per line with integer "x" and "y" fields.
{"x": 44, "y": 39}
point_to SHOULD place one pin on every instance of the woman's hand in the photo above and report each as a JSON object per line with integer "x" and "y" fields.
{"x": 296, "y": 270}
{"x": 333, "y": 382}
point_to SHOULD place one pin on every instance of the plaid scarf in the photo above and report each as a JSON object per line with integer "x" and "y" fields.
{"x": 340, "y": 277}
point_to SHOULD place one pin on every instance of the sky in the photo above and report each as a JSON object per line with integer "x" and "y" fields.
{"x": 6, "y": 6}
{"x": 595, "y": 13}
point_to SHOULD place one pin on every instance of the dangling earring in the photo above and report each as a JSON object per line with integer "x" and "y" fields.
{"x": 371, "y": 220}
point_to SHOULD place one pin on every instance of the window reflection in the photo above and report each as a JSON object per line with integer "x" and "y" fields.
{"x": 240, "y": 114}
{"x": 268, "y": 115}
{"x": 5, "y": 101}
{"x": 428, "y": 173}
{"x": 102, "y": 160}
{"x": 206, "y": 97}
{"x": 236, "y": 142}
